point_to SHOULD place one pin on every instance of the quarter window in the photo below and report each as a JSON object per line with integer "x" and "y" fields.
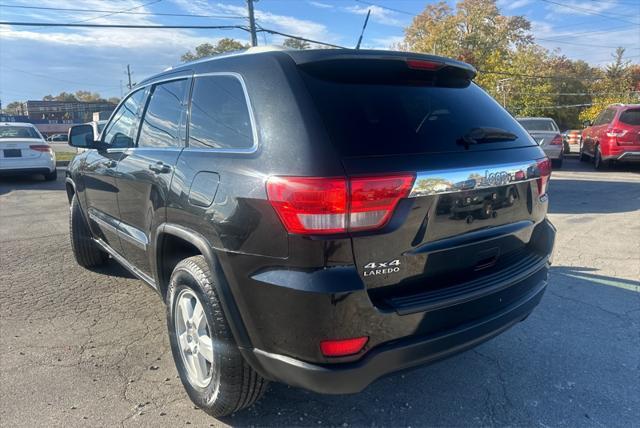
{"x": 162, "y": 117}
{"x": 219, "y": 114}
{"x": 121, "y": 131}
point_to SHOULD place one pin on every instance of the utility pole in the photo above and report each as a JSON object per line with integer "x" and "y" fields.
{"x": 252, "y": 23}
{"x": 501, "y": 87}
{"x": 129, "y": 76}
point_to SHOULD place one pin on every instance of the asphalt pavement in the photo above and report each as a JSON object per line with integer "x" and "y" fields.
{"x": 89, "y": 348}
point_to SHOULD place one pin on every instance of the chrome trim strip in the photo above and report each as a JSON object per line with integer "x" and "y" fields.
{"x": 93, "y": 215}
{"x": 129, "y": 233}
{"x": 625, "y": 154}
{"x": 133, "y": 235}
{"x": 439, "y": 182}
{"x": 134, "y": 270}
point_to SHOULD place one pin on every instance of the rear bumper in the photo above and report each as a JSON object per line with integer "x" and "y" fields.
{"x": 553, "y": 152}
{"x": 625, "y": 156}
{"x": 402, "y": 354}
{"x": 26, "y": 171}
{"x": 40, "y": 165}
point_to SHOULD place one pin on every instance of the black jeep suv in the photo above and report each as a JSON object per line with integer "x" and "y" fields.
{"x": 319, "y": 218}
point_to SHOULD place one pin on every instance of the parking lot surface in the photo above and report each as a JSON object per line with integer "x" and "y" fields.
{"x": 89, "y": 348}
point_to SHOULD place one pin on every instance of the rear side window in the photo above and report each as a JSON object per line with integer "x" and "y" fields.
{"x": 605, "y": 117}
{"x": 371, "y": 118}
{"x": 162, "y": 118}
{"x": 630, "y": 117}
{"x": 121, "y": 131}
{"x": 220, "y": 116}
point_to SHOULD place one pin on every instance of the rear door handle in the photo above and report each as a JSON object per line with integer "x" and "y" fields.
{"x": 159, "y": 167}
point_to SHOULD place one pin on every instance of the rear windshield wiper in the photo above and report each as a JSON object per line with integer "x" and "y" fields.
{"x": 485, "y": 135}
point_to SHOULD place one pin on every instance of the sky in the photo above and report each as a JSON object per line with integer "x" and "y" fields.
{"x": 37, "y": 61}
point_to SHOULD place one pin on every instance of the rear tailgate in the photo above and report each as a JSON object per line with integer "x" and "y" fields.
{"x": 627, "y": 131}
{"x": 471, "y": 207}
{"x": 465, "y": 214}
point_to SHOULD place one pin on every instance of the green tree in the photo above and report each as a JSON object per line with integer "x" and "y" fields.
{"x": 14, "y": 107}
{"x": 296, "y": 44}
{"x": 475, "y": 32}
{"x": 207, "y": 49}
{"x": 88, "y": 96}
{"x": 617, "y": 84}
{"x": 62, "y": 96}
{"x": 619, "y": 67}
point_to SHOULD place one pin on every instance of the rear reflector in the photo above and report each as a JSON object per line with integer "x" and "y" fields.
{"x": 343, "y": 347}
{"x": 544, "y": 171}
{"x": 557, "y": 140}
{"x": 419, "y": 64}
{"x": 40, "y": 148}
{"x": 311, "y": 205}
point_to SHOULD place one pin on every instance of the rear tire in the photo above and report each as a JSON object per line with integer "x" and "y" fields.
{"x": 583, "y": 157}
{"x": 599, "y": 163}
{"x": 52, "y": 176}
{"x": 213, "y": 372}
{"x": 85, "y": 251}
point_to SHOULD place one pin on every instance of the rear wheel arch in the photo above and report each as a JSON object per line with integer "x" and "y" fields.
{"x": 190, "y": 243}
{"x": 71, "y": 189}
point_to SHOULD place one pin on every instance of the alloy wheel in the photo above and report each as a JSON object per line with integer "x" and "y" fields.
{"x": 194, "y": 338}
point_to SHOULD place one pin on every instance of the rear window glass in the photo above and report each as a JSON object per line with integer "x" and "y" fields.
{"x": 18, "y": 132}
{"x": 538, "y": 125}
{"x": 395, "y": 118}
{"x": 630, "y": 117}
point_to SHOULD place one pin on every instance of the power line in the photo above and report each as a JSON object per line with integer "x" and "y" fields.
{"x": 120, "y": 11}
{"x": 579, "y": 44}
{"x": 590, "y": 12}
{"x": 532, "y": 76}
{"x": 385, "y": 7}
{"x": 56, "y": 24}
{"x": 608, "y": 30}
{"x": 571, "y": 93}
{"x": 62, "y": 9}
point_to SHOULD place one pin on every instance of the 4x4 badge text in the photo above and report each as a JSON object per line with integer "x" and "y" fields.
{"x": 374, "y": 268}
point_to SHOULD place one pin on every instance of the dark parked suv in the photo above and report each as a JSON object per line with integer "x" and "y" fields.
{"x": 319, "y": 218}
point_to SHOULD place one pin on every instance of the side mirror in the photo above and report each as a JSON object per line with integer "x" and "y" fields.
{"x": 81, "y": 136}
{"x": 587, "y": 123}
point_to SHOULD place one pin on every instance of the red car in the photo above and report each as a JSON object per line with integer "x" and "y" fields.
{"x": 613, "y": 136}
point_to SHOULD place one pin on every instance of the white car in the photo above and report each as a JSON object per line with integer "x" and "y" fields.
{"x": 23, "y": 150}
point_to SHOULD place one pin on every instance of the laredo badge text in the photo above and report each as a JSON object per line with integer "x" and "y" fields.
{"x": 382, "y": 268}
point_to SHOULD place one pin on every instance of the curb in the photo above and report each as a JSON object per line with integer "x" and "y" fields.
{"x": 62, "y": 163}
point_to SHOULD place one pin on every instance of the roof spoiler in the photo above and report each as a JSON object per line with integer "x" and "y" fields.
{"x": 412, "y": 61}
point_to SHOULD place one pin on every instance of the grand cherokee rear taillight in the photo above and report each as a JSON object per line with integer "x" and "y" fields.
{"x": 312, "y": 205}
